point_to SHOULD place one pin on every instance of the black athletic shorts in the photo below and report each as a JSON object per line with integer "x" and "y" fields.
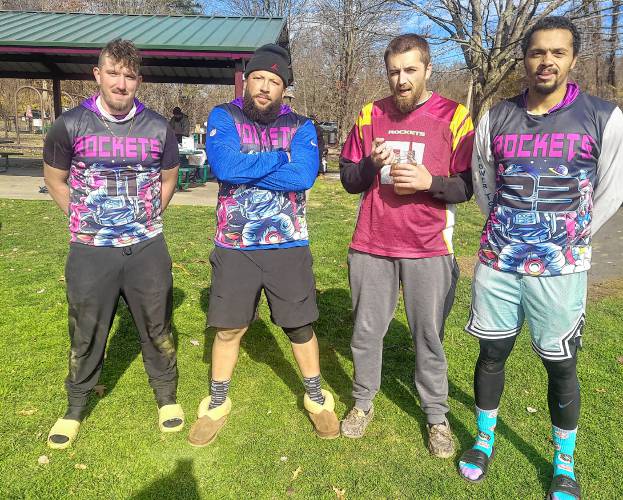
{"x": 238, "y": 277}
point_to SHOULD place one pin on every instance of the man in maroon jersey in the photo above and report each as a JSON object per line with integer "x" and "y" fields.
{"x": 409, "y": 156}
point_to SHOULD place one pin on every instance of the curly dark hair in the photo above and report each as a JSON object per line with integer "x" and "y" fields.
{"x": 553, "y": 23}
{"x": 122, "y": 51}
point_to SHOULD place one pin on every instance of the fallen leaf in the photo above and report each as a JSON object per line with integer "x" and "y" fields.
{"x": 179, "y": 266}
{"x": 99, "y": 390}
{"x": 296, "y": 473}
{"x": 290, "y": 491}
{"x": 340, "y": 493}
{"x": 71, "y": 454}
{"x": 284, "y": 459}
{"x": 38, "y": 435}
{"x": 41, "y": 291}
{"x": 601, "y": 390}
{"x": 620, "y": 360}
{"x": 28, "y": 412}
{"x": 62, "y": 278}
{"x": 194, "y": 342}
{"x": 80, "y": 466}
{"x": 269, "y": 412}
{"x": 531, "y": 410}
{"x": 43, "y": 460}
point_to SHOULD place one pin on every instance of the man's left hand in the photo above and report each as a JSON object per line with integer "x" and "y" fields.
{"x": 409, "y": 179}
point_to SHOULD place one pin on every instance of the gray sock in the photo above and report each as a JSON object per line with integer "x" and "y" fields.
{"x": 312, "y": 388}
{"x": 218, "y": 393}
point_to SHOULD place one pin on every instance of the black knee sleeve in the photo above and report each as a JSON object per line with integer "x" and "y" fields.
{"x": 563, "y": 392}
{"x": 300, "y": 334}
{"x": 489, "y": 372}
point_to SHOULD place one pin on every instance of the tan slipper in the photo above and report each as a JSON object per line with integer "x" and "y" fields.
{"x": 170, "y": 418}
{"x": 209, "y": 422}
{"x": 323, "y": 417}
{"x": 63, "y": 433}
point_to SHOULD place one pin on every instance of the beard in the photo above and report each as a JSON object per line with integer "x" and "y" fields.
{"x": 547, "y": 88}
{"x": 264, "y": 116}
{"x": 408, "y": 103}
{"x": 117, "y": 107}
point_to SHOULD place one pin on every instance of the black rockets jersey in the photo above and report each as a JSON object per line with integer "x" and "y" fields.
{"x": 547, "y": 182}
{"x": 114, "y": 172}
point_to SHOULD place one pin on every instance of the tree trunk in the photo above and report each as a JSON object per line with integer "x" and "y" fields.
{"x": 614, "y": 43}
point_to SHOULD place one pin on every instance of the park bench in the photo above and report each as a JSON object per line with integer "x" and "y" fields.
{"x": 5, "y": 155}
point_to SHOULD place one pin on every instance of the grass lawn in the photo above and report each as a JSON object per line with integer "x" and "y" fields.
{"x": 267, "y": 449}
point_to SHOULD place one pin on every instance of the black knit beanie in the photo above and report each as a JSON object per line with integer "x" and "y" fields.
{"x": 273, "y": 58}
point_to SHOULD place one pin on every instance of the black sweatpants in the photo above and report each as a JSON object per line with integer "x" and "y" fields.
{"x": 96, "y": 277}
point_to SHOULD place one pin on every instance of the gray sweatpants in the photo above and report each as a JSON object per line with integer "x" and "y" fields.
{"x": 428, "y": 286}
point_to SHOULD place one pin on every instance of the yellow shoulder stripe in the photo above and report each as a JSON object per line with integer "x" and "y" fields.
{"x": 364, "y": 118}
{"x": 461, "y": 125}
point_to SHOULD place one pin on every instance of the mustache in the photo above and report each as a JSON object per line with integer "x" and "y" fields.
{"x": 265, "y": 96}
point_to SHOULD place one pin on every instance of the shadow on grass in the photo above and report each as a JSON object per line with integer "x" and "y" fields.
{"x": 181, "y": 483}
{"x": 542, "y": 466}
{"x": 398, "y": 360}
{"x": 124, "y": 346}
{"x": 260, "y": 344}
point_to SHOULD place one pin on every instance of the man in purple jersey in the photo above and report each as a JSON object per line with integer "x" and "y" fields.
{"x": 111, "y": 166}
{"x": 548, "y": 173}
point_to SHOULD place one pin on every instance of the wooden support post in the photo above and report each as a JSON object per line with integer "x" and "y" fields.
{"x": 56, "y": 96}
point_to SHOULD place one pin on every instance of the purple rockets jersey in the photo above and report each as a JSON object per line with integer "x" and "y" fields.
{"x": 547, "y": 182}
{"x": 114, "y": 172}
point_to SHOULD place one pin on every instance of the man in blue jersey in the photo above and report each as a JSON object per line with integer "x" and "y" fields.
{"x": 264, "y": 156}
{"x": 548, "y": 173}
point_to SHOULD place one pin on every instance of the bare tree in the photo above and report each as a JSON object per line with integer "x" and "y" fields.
{"x": 614, "y": 45}
{"x": 352, "y": 34}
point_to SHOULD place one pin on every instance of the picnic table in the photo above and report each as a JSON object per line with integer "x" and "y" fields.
{"x": 194, "y": 168}
{"x": 6, "y": 154}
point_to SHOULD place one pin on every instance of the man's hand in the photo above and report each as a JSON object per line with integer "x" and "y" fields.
{"x": 381, "y": 154}
{"x": 409, "y": 179}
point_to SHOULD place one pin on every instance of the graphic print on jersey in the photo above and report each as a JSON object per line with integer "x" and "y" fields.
{"x": 112, "y": 204}
{"x": 541, "y": 221}
{"x": 249, "y": 216}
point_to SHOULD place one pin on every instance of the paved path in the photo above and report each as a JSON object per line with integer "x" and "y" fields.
{"x": 25, "y": 176}
{"x": 607, "y": 261}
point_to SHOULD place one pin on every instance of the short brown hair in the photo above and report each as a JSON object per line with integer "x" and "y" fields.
{"x": 123, "y": 52}
{"x": 405, "y": 43}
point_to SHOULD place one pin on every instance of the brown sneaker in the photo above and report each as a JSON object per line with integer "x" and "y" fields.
{"x": 355, "y": 423}
{"x": 323, "y": 417}
{"x": 209, "y": 422}
{"x": 440, "y": 441}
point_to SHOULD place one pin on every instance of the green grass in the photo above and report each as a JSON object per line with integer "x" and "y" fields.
{"x": 126, "y": 457}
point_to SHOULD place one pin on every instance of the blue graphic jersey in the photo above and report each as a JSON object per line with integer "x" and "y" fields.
{"x": 261, "y": 200}
{"x": 547, "y": 182}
